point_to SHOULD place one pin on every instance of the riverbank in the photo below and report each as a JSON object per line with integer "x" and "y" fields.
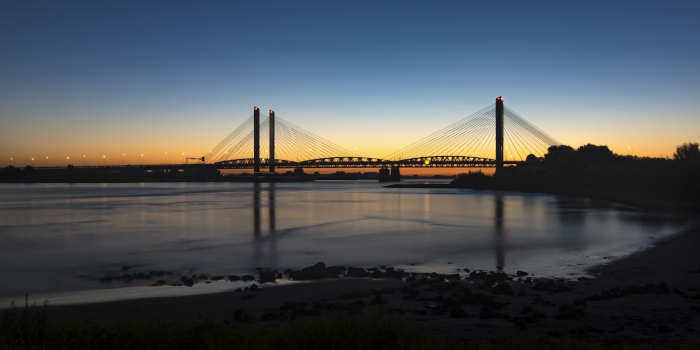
{"x": 649, "y": 297}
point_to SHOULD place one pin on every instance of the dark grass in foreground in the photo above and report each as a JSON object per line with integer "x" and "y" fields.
{"x": 31, "y": 328}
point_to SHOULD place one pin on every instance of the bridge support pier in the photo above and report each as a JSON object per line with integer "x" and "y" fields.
{"x": 271, "y": 159}
{"x": 499, "y": 134}
{"x": 256, "y": 140}
{"x": 395, "y": 174}
{"x": 389, "y": 174}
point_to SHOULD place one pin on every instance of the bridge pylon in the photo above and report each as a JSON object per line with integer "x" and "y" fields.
{"x": 499, "y": 134}
{"x": 256, "y": 140}
{"x": 271, "y": 159}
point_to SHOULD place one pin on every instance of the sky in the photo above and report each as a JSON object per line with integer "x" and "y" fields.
{"x": 152, "y": 82}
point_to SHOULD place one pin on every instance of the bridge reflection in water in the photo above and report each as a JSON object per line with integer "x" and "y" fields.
{"x": 499, "y": 234}
{"x": 258, "y": 233}
{"x": 499, "y": 243}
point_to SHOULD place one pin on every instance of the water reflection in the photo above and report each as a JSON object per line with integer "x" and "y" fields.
{"x": 258, "y": 235}
{"x": 499, "y": 243}
{"x": 271, "y": 206}
{"x": 257, "y": 210}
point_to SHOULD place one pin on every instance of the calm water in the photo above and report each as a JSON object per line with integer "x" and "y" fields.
{"x": 65, "y": 237}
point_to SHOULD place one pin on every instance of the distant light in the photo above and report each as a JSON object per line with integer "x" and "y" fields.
{"x": 141, "y": 155}
{"x": 12, "y": 158}
{"x": 47, "y": 157}
{"x": 67, "y": 157}
{"x": 104, "y": 156}
{"x": 32, "y": 159}
{"x": 123, "y": 154}
{"x": 83, "y": 156}
{"x": 183, "y": 154}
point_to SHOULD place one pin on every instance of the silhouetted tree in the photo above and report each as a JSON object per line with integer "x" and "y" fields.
{"x": 561, "y": 158}
{"x": 687, "y": 152}
{"x": 591, "y": 154}
{"x": 532, "y": 159}
{"x": 561, "y": 154}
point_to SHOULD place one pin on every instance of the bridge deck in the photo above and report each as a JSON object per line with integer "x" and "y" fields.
{"x": 367, "y": 162}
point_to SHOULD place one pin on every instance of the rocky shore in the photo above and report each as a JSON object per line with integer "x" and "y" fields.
{"x": 649, "y": 297}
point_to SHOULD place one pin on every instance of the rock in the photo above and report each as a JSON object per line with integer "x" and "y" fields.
{"x": 357, "y": 272}
{"x": 538, "y": 299}
{"x": 315, "y": 272}
{"x": 267, "y": 276}
{"x": 335, "y": 271}
{"x": 390, "y": 272}
{"x": 520, "y": 273}
{"x": 488, "y": 278}
{"x": 503, "y": 288}
{"x": 247, "y": 278}
{"x": 451, "y": 276}
{"x": 614, "y": 293}
{"x": 550, "y": 285}
{"x": 187, "y": 281}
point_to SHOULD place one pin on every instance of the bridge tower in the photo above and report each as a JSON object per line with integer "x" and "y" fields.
{"x": 499, "y": 134}
{"x": 256, "y": 140}
{"x": 271, "y": 159}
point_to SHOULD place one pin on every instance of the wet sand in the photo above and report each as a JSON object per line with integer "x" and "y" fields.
{"x": 652, "y": 295}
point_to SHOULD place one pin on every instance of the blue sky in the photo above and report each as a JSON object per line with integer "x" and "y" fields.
{"x": 177, "y": 76}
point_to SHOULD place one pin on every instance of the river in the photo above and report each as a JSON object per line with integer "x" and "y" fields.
{"x": 58, "y": 239}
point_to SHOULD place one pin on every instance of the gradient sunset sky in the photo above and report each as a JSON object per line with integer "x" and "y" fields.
{"x": 169, "y": 78}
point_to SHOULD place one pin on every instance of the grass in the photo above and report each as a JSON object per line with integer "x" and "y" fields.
{"x": 30, "y": 328}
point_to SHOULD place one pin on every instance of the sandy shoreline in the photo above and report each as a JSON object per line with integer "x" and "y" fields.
{"x": 651, "y": 294}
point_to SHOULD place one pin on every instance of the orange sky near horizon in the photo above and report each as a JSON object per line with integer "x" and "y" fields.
{"x": 86, "y": 144}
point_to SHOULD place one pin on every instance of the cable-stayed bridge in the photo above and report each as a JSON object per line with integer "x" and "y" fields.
{"x": 494, "y": 136}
